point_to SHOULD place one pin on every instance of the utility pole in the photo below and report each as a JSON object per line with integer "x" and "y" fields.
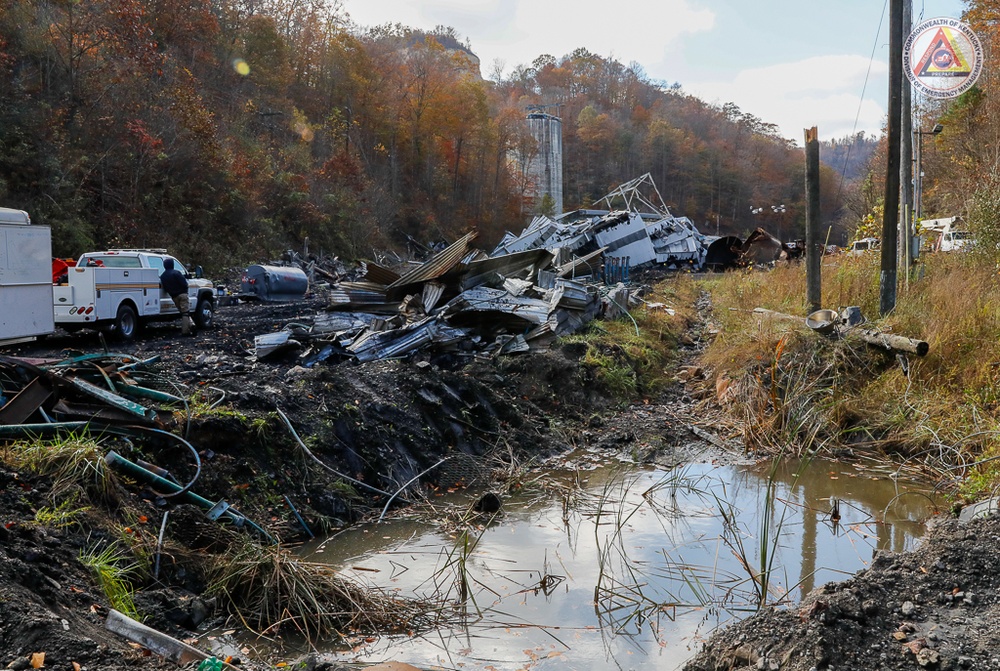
{"x": 814, "y": 293}
{"x": 890, "y": 217}
{"x": 906, "y": 175}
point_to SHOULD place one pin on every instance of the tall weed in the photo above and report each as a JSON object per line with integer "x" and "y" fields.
{"x": 794, "y": 385}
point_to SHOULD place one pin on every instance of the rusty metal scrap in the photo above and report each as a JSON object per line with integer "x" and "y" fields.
{"x": 102, "y": 387}
{"x": 435, "y": 267}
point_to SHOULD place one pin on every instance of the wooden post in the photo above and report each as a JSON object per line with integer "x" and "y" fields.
{"x": 814, "y": 292}
{"x": 906, "y": 157}
{"x": 890, "y": 217}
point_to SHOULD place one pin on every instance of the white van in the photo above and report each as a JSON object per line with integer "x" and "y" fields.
{"x": 859, "y": 247}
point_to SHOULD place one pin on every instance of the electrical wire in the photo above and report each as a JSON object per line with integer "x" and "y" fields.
{"x": 861, "y": 101}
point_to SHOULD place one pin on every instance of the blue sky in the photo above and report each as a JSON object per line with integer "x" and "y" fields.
{"x": 794, "y": 63}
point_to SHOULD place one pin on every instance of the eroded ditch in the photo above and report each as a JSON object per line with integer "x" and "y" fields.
{"x": 602, "y": 563}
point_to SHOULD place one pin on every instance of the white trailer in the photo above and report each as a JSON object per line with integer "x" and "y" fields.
{"x": 25, "y": 278}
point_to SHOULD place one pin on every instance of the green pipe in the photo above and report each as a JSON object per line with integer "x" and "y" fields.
{"x": 112, "y": 399}
{"x": 115, "y": 459}
{"x": 146, "y": 392}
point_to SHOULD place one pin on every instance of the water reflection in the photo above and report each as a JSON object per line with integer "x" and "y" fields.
{"x": 875, "y": 512}
{"x": 614, "y": 567}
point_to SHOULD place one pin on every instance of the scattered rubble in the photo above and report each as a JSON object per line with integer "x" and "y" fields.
{"x": 104, "y": 395}
{"x": 550, "y": 280}
{"x": 459, "y": 301}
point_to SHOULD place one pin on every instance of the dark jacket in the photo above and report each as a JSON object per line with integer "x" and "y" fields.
{"x": 171, "y": 279}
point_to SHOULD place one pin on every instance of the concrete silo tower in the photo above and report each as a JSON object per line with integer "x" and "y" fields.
{"x": 545, "y": 167}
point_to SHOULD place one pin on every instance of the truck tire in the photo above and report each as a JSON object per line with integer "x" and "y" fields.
{"x": 126, "y": 325}
{"x": 203, "y": 312}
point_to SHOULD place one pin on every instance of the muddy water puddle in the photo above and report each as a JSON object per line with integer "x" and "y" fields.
{"x": 617, "y": 566}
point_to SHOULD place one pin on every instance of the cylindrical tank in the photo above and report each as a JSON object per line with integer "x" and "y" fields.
{"x": 274, "y": 283}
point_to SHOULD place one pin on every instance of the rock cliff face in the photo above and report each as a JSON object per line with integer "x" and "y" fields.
{"x": 452, "y": 46}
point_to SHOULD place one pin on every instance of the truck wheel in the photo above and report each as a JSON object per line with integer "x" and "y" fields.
{"x": 126, "y": 322}
{"x": 203, "y": 313}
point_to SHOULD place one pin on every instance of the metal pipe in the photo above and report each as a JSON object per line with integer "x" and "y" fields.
{"x": 298, "y": 517}
{"x": 159, "y": 544}
{"x": 115, "y": 459}
{"x": 146, "y": 392}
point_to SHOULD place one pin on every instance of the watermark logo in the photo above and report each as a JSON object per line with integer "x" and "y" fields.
{"x": 943, "y": 57}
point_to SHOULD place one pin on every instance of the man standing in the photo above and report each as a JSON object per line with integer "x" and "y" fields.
{"x": 176, "y": 286}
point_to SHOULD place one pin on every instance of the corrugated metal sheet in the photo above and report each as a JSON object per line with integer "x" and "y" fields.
{"x": 431, "y": 295}
{"x": 379, "y": 274}
{"x": 521, "y": 265}
{"x": 630, "y": 239}
{"x": 572, "y": 294}
{"x": 368, "y": 296}
{"x": 389, "y": 344}
{"x": 437, "y": 265}
{"x": 484, "y": 299}
{"x": 339, "y": 322}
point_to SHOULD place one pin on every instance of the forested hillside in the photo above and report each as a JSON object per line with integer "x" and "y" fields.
{"x": 234, "y": 129}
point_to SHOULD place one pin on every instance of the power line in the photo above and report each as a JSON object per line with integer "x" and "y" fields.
{"x": 864, "y": 88}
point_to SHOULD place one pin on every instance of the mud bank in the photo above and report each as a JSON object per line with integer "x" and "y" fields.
{"x": 379, "y": 424}
{"x": 383, "y": 423}
{"x": 935, "y": 608}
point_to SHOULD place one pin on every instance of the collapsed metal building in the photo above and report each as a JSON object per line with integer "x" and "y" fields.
{"x": 632, "y": 225}
{"x": 459, "y": 301}
{"x": 550, "y": 280}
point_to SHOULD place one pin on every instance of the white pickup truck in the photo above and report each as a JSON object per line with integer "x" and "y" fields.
{"x": 119, "y": 290}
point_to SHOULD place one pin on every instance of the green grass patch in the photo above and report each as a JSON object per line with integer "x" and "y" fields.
{"x": 635, "y": 356}
{"x": 67, "y": 513}
{"x": 112, "y": 569}
{"x": 73, "y": 463}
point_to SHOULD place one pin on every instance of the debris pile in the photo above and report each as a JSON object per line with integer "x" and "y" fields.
{"x": 459, "y": 301}
{"x": 106, "y": 395}
{"x": 549, "y": 280}
{"x": 639, "y": 231}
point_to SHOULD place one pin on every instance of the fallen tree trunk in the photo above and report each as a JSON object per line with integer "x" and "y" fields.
{"x": 888, "y": 341}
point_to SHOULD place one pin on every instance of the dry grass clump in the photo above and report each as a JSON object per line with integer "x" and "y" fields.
{"x": 797, "y": 388}
{"x": 74, "y": 463}
{"x": 270, "y": 589}
{"x": 956, "y": 308}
